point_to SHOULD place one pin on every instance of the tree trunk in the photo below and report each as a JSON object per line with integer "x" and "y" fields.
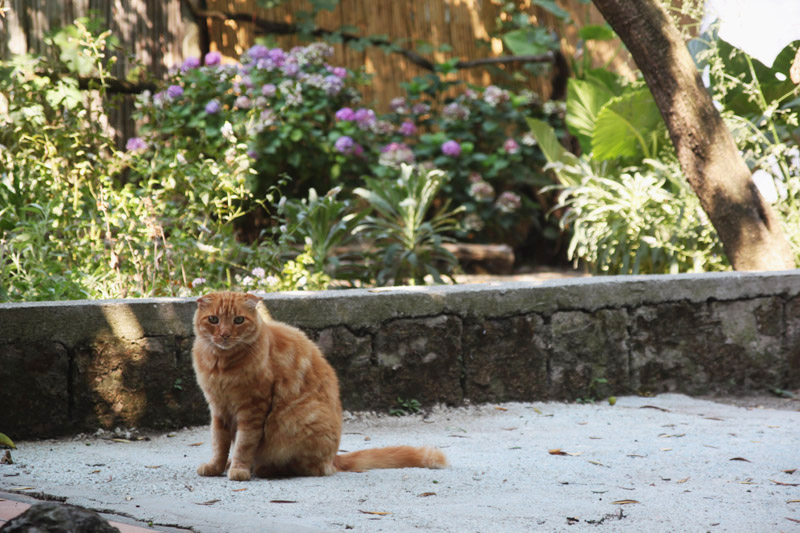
{"x": 749, "y": 230}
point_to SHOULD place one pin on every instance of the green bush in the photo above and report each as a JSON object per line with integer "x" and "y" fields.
{"x": 80, "y": 219}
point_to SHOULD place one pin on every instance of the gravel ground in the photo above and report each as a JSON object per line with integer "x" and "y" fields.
{"x": 668, "y": 463}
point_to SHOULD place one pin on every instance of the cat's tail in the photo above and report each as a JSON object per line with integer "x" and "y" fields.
{"x": 390, "y": 457}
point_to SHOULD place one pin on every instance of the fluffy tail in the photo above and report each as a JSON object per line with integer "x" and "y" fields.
{"x": 390, "y": 457}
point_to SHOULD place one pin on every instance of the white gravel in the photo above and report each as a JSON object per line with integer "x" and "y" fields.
{"x": 669, "y": 463}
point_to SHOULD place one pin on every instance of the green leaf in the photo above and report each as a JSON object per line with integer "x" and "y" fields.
{"x": 596, "y": 32}
{"x": 296, "y": 135}
{"x": 624, "y": 126}
{"x": 66, "y": 92}
{"x": 528, "y": 41}
{"x": 584, "y": 101}
{"x": 5, "y": 441}
{"x": 327, "y": 5}
{"x": 546, "y": 138}
{"x": 553, "y": 9}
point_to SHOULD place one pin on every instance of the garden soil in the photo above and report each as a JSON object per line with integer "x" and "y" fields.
{"x": 666, "y": 463}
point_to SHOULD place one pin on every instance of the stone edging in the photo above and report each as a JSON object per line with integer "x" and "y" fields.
{"x": 75, "y": 366}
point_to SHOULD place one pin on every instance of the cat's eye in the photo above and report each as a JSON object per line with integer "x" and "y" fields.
{"x": 238, "y": 320}
{"x": 213, "y": 319}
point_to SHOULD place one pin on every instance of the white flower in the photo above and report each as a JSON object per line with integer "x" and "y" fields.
{"x": 258, "y": 272}
{"x": 227, "y": 131}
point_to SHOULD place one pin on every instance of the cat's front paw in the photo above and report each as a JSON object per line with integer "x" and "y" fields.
{"x": 210, "y": 469}
{"x": 239, "y": 474}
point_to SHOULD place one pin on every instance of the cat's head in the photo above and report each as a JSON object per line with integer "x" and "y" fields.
{"x": 227, "y": 319}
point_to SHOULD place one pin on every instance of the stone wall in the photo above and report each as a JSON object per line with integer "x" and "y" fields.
{"x": 67, "y": 367}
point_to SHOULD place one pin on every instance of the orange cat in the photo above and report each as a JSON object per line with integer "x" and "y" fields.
{"x": 275, "y": 399}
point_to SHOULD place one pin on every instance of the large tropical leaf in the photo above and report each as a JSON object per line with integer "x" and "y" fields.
{"x": 626, "y": 127}
{"x": 585, "y": 99}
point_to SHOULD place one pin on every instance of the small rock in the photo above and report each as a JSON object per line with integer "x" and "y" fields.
{"x": 50, "y": 517}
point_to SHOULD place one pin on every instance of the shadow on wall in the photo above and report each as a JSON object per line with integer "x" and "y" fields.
{"x": 99, "y": 368}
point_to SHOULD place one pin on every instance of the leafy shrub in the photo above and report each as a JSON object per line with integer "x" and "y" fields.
{"x": 300, "y": 118}
{"x": 72, "y": 227}
{"x": 410, "y": 242}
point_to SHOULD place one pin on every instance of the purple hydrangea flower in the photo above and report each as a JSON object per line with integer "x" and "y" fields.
{"x": 340, "y": 72}
{"x": 511, "y": 146}
{"x": 508, "y": 202}
{"x": 408, "y": 128}
{"x": 395, "y": 153}
{"x": 242, "y": 102}
{"x": 455, "y": 111}
{"x": 365, "y": 117}
{"x": 451, "y": 148}
{"x": 268, "y": 90}
{"x": 398, "y": 105}
{"x": 190, "y": 63}
{"x": 258, "y": 51}
{"x": 481, "y": 191}
{"x": 213, "y": 107}
{"x": 213, "y": 58}
{"x": 420, "y": 108}
{"x": 290, "y": 69}
{"x": 174, "y": 91}
{"x": 344, "y": 144}
{"x": 332, "y": 85}
{"x": 345, "y": 114}
{"x": 277, "y": 55}
{"x": 135, "y": 144}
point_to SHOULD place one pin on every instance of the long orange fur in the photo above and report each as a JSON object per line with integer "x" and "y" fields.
{"x": 275, "y": 399}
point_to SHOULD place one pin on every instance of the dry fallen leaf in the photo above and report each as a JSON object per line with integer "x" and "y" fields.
{"x": 785, "y": 484}
{"x": 654, "y": 407}
{"x": 501, "y": 409}
{"x": 239, "y": 490}
{"x": 381, "y": 513}
{"x": 195, "y": 444}
{"x": 426, "y": 494}
{"x": 666, "y": 449}
{"x": 790, "y": 471}
{"x": 152, "y": 466}
{"x": 123, "y": 441}
{"x": 597, "y": 463}
{"x": 282, "y": 501}
{"x": 684, "y": 480}
{"x": 793, "y": 519}
{"x": 508, "y": 429}
{"x": 739, "y": 459}
{"x": 624, "y": 502}
{"x": 209, "y": 502}
{"x": 22, "y": 488}
{"x": 559, "y": 451}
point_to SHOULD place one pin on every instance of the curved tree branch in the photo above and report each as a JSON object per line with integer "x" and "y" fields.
{"x": 272, "y": 27}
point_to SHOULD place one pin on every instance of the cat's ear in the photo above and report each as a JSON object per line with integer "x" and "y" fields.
{"x": 251, "y": 300}
{"x": 204, "y": 300}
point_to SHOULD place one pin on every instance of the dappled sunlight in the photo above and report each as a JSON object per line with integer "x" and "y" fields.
{"x": 123, "y": 322}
